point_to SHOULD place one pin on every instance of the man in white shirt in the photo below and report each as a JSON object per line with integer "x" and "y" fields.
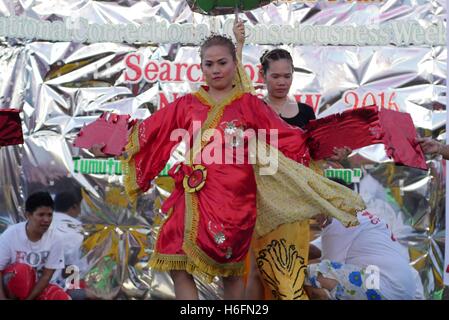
{"x": 30, "y": 252}
{"x": 362, "y": 262}
{"x": 67, "y": 210}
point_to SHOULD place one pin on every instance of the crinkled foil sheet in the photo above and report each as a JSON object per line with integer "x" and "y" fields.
{"x": 60, "y": 86}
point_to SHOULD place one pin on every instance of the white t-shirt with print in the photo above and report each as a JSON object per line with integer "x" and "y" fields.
{"x": 71, "y": 231}
{"x": 371, "y": 243}
{"x": 15, "y": 247}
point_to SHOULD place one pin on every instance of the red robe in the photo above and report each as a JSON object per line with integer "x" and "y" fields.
{"x": 216, "y": 241}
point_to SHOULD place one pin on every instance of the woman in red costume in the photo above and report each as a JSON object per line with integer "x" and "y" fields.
{"x": 218, "y": 194}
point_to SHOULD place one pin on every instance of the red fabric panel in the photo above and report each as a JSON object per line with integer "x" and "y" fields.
{"x": 10, "y": 127}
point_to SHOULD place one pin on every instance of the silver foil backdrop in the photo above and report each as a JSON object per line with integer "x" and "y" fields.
{"x": 59, "y": 86}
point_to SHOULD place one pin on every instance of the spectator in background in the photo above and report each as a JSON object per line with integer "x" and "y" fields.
{"x": 30, "y": 252}
{"x": 65, "y": 221}
{"x": 353, "y": 257}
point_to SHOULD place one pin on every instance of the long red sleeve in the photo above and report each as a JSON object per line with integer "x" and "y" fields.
{"x": 291, "y": 140}
{"x": 154, "y": 144}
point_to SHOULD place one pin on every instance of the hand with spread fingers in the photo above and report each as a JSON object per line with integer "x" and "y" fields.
{"x": 340, "y": 154}
{"x": 96, "y": 150}
{"x": 322, "y": 220}
{"x": 239, "y": 34}
{"x": 433, "y": 147}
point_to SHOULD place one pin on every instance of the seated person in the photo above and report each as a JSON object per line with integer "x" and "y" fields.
{"x": 30, "y": 252}
{"x": 361, "y": 263}
{"x": 67, "y": 210}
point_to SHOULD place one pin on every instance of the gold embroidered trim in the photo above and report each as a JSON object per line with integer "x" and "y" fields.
{"x": 132, "y": 189}
{"x": 214, "y": 116}
{"x": 204, "y": 264}
{"x": 242, "y": 80}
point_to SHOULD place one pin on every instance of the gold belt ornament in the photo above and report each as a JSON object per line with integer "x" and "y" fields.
{"x": 196, "y": 179}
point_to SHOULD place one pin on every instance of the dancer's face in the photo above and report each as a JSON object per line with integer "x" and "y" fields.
{"x": 218, "y": 67}
{"x": 279, "y": 77}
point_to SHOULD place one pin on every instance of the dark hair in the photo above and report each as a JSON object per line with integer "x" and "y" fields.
{"x": 65, "y": 200}
{"x": 343, "y": 183}
{"x": 274, "y": 55}
{"x": 218, "y": 40}
{"x": 38, "y": 199}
